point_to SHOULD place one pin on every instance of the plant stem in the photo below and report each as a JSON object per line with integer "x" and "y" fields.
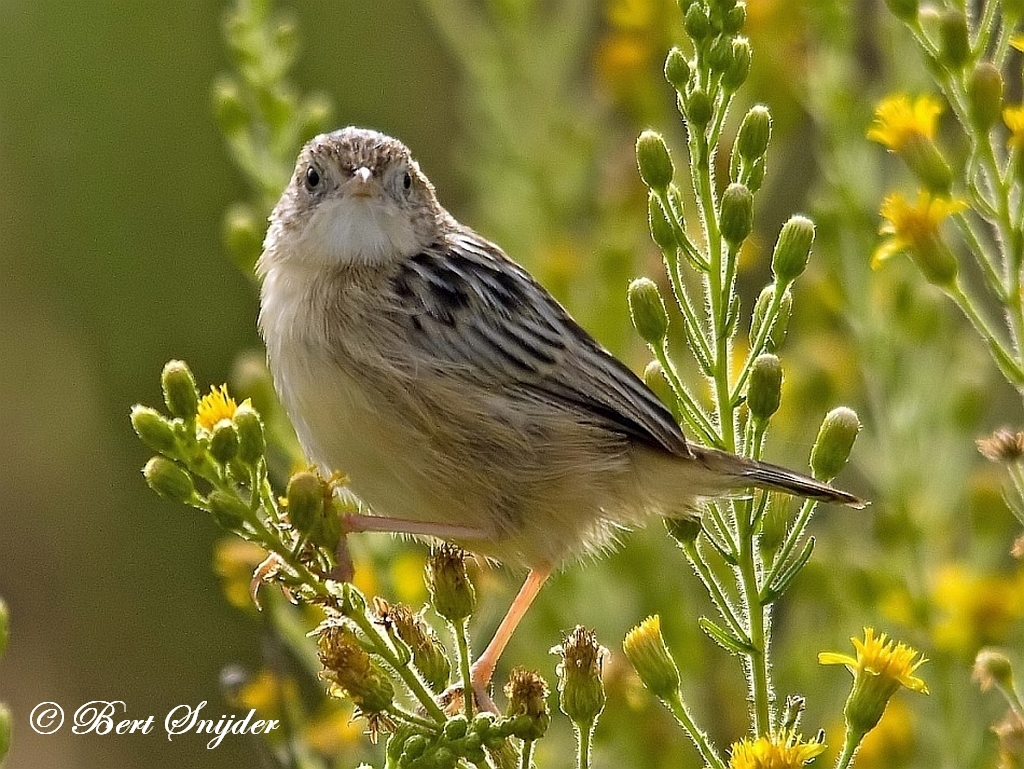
{"x": 462, "y": 642}
{"x": 696, "y": 735}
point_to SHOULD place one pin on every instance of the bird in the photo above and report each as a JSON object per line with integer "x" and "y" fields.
{"x": 456, "y": 394}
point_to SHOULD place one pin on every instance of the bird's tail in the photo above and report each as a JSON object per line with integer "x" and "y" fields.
{"x": 763, "y": 475}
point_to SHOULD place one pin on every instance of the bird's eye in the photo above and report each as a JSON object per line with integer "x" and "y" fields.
{"x": 407, "y": 180}
{"x": 312, "y": 178}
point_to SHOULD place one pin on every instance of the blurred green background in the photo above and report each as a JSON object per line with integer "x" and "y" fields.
{"x": 113, "y": 184}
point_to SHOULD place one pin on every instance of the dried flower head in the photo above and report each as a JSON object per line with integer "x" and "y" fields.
{"x": 1003, "y": 445}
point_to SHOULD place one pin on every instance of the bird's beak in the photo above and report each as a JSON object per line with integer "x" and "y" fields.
{"x": 362, "y": 184}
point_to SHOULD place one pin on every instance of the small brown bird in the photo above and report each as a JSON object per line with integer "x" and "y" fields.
{"x": 456, "y": 393}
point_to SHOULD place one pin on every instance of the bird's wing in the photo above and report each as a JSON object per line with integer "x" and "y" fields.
{"x": 466, "y": 303}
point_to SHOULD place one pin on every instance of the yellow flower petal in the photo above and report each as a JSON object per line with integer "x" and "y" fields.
{"x": 785, "y": 750}
{"x": 1014, "y": 119}
{"x": 215, "y": 406}
{"x": 898, "y": 120}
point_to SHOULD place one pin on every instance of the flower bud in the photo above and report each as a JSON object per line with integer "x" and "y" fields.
{"x": 696, "y": 22}
{"x": 698, "y": 107}
{"x": 935, "y": 260}
{"x": 153, "y": 429}
{"x": 252, "y": 442}
{"x": 5, "y": 627}
{"x": 764, "y": 389}
{"x": 677, "y": 69}
{"x": 305, "y": 496}
{"x": 759, "y": 316}
{"x": 792, "y": 249}
{"x": 428, "y": 653}
{"x": 684, "y": 530}
{"x": 774, "y": 523}
{"x": 527, "y": 694}
{"x": 904, "y": 10}
{"x": 737, "y": 215}
{"x": 754, "y": 134}
{"x": 985, "y": 96}
{"x": 350, "y": 667}
{"x": 169, "y": 480}
{"x": 6, "y": 731}
{"x": 242, "y": 233}
{"x": 655, "y": 379}
{"x": 661, "y": 231}
{"x": 646, "y": 651}
{"x": 755, "y": 175}
{"x": 227, "y": 510}
{"x": 954, "y": 45}
{"x": 737, "y": 67}
{"x": 834, "y": 443}
{"x": 734, "y": 19}
{"x": 228, "y": 108}
{"x": 224, "y": 441}
{"x": 992, "y": 668}
{"x": 180, "y": 392}
{"x": 654, "y": 161}
{"x": 451, "y": 593}
{"x": 581, "y": 692}
{"x": 647, "y": 309}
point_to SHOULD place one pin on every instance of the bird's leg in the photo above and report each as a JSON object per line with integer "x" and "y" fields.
{"x": 483, "y": 668}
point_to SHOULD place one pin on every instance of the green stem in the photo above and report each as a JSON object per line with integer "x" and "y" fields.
{"x": 695, "y": 733}
{"x": 1010, "y": 368}
{"x": 584, "y": 737}
{"x": 715, "y": 590}
{"x": 759, "y": 682}
{"x": 462, "y": 642}
{"x": 526, "y": 757}
{"x": 850, "y": 744}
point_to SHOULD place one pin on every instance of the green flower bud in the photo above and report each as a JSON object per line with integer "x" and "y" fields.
{"x": 242, "y": 232}
{"x": 954, "y": 47}
{"x": 414, "y": 748}
{"x": 792, "y": 249}
{"x": 985, "y": 96}
{"x": 737, "y": 68}
{"x": 316, "y": 115}
{"x": 734, "y": 19}
{"x": 905, "y": 10}
{"x": 935, "y": 260}
{"x": 228, "y": 510}
{"x": 737, "y": 215}
{"x": 224, "y": 441}
{"x": 428, "y": 653}
{"x": 153, "y": 429}
{"x": 677, "y": 69}
{"x": 180, "y": 392}
{"x": 451, "y": 593}
{"x": 774, "y": 523}
{"x": 646, "y": 651}
{"x": 759, "y": 317}
{"x": 169, "y": 480}
{"x": 654, "y": 377}
{"x": 834, "y": 443}
{"x": 581, "y": 692}
{"x": 698, "y": 107}
{"x": 754, "y": 134}
{"x": 684, "y": 530}
{"x": 720, "y": 53}
{"x": 305, "y": 496}
{"x": 228, "y": 107}
{"x": 661, "y": 231}
{"x": 654, "y": 161}
{"x": 993, "y": 668}
{"x": 647, "y": 309}
{"x": 764, "y": 388}
{"x": 252, "y": 442}
{"x": 527, "y": 694}
{"x": 696, "y": 22}
{"x": 6, "y": 732}
{"x": 455, "y": 728}
{"x": 350, "y": 667}
{"x": 5, "y": 627}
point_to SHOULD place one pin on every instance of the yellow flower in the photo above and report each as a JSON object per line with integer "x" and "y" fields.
{"x": 785, "y": 750}
{"x": 975, "y": 610}
{"x": 908, "y": 129}
{"x": 880, "y": 668}
{"x": 216, "y": 406}
{"x": 898, "y": 122}
{"x": 1017, "y": 41}
{"x": 914, "y": 227}
{"x": 1014, "y": 119}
